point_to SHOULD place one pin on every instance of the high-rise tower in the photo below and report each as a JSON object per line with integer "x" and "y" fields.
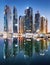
{"x": 21, "y": 24}
{"x": 15, "y": 20}
{"x": 7, "y": 19}
{"x": 37, "y": 21}
{"x": 43, "y": 25}
{"x": 28, "y": 24}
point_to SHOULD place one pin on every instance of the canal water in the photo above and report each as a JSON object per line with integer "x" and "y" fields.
{"x": 24, "y": 51}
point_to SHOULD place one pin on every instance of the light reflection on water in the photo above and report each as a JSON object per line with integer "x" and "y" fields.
{"x": 26, "y": 48}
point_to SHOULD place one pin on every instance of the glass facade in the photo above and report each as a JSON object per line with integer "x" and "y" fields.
{"x": 7, "y": 19}
{"x": 14, "y": 20}
{"x": 28, "y": 24}
{"x": 37, "y": 21}
{"x": 21, "y": 24}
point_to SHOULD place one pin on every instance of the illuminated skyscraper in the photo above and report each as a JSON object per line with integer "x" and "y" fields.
{"x": 7, "y": 19}
{"x": 28, "y": 24}
{"x": 37, "y": 21}
{"x": 21, "y": 24}
{"x": 46, "y": 26}
{"x": 43, "y": 25}
{"x": 15, "y": 20}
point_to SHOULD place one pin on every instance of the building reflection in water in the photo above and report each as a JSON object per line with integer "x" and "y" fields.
{"x": 11, "y": 47}
{"x": 15, "y": 46}
{"x": 8, "y": 48}
{"x": 37, "y": 46}
{"x": 21, "y": 43}
{"x": 29, "y": 46}
{"x": 43, "y": 46}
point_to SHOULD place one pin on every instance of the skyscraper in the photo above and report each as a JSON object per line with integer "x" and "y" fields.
{"x": 21, "y": 24}
{"x": 7, "y": 19}
{"x": 28, "y": 24}
{"x": 15, "y": 20}
{"x": 37, "y": 21}
{"x": 43, "y": 25}
{"x": 46, "y": 26}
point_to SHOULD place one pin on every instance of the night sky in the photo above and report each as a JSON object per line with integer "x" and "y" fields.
{"x": 42, "y": 5}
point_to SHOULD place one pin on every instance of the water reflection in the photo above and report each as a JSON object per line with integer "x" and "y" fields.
{"x": 15, "y": 47}
{"x": 37, "y": 46}
{"x": 8, "y": 48}
{"x": 28, "y": 46}
{"x": 43, "y": 46}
